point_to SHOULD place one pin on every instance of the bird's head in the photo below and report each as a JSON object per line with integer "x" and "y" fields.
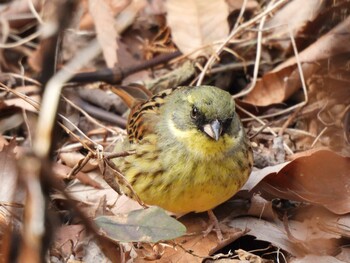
{"x": 201, "y": 117}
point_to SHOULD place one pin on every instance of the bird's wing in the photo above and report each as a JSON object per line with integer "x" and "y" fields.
{"x": 143, "y": 117}
{"x": 144, "y": 113}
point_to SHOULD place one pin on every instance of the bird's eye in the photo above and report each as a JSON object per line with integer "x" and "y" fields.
{"x": 227, "y": 123}
{"x": 194, "y": 113}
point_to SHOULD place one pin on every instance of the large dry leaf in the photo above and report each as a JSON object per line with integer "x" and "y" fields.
{"x": 292, "y": 17}
{"x": 333, "y": 43}
{"x": 91, "y": 196}
{"x": 279, "y": 84}
{"x": 195, "y": 246}
{"x": 322, "y": 178}
{"x": 106, "y": 32}
{"x": 276, "y": 87}
{"x": 196, "y": 23}
{"x": 258, "y": 175}
{"x": 266, "y": 231}
{"x": 297, "y": 238}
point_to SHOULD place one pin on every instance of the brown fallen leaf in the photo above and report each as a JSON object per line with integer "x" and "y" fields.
{"x": 317, "y": 259}
{"x": 61, "y": 171}
{"x": 251, "y": 258}
{"x": 297, "y": 18}
{"x": 344, "y": 255}
{"x": 196, "y": 23}
{"x": 67, "y": 239}
{"x": 258, "y": 175}
{"x": 73, "y": 158}
{"x": 295, "y": 237}
{"x": 322, "y": 178}
{"x": 279, "y": 84}
{"x": 195, "y": 247}
{"x": 272, "y": 232}
{"x": 261, "y": 208}
{"x": 332, "y": 43}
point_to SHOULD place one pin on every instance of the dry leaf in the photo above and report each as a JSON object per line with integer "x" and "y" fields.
{"x": 11, "y": 195}
{"x": 317, "y": 259}
{"x": 279, "y": 84}
{"x": 267, "y": 231}
{"x": 67, "y": 235}
{"x": 106, "y": 32}
{"x": 258, "y": 175}
{"x": 91, "y": 196}
{"x": 196, "y": 23}
{"x": 235, "y": 5}
{"x": 296, "y": 18}
{"x": 62, "y": 171}
{"x": 344, "y": 255}
{"x": 322, "y": 178}
{"x": 333, "y": 43}
{"x": 276, "y": 87}
{"x": 24, "y": 104}
{"x": 261, "y": 208}
{"x": 250, "y": 257}
{"x": 73, "y": 158}
{"x": 196, "y": 246}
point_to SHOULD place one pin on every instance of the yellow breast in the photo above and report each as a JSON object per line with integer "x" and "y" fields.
{"x": 183, "y": 181}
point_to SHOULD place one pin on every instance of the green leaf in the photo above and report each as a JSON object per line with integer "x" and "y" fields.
{"x": 144, "y": 225}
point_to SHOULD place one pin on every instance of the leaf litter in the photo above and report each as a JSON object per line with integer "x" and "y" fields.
{"x": 294, "y": 207}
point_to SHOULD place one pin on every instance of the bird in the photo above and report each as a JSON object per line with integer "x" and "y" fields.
{"x": 190, "y": 150}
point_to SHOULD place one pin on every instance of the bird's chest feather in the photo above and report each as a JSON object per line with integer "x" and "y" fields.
{"x": 182, "y": 181}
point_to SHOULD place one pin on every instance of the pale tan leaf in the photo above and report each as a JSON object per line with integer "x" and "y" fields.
{"x": 19, "y": 102}
{"x": 127, "y": 17}
{"x": 292, "y": 17}
{"x": 196, "y": 23}
{"x": 106, "y": 32}
{"x": 237, "y": 4}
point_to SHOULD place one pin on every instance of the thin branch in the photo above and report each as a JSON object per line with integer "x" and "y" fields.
{"x": 51, "y": 97}
{"x": 235, "y": 32}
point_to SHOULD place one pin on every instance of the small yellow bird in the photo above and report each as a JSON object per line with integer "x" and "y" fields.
{"x": 191, "y": 150}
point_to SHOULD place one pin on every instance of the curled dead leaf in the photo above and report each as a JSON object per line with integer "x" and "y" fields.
{"x": 322, "y": 178}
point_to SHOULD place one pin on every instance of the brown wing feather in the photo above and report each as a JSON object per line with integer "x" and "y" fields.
{"x": 141, "y": 115}
{"x": 142, "y": 112}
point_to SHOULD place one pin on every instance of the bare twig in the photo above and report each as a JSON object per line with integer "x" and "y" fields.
{"x": 52, "y": 95}
{"x": 263, "y": 123}
{"x": 34, "y": 12}
{"x": 233, "y": 33}
{"x": 90, "y": 118}
{"x": 21, "y": 41}
{"x": 257, "y": 57}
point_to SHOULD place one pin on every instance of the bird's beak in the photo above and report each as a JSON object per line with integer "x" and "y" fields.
{"x": 213, "y": 129}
